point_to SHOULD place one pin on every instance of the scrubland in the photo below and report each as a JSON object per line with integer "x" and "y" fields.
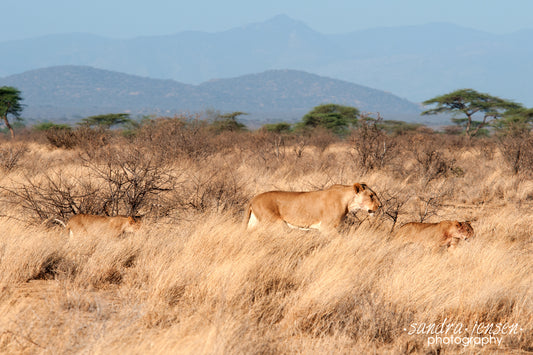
{"x": 193, "y": 281}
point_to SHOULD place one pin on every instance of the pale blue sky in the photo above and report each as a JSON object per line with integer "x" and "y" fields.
{"x": 132, "y": 18}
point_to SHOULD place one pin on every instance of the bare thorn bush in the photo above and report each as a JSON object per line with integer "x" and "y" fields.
{"x": 211, "y": 190}
{"x": 177, "y": 137}
{"x": 322, "y": 138}
{"x": 10, "y": 155}
{"x": 85, "y": 137}
{"x": 132, "y": 177}
{"x": 300, "y": 145}
{"x": 431, "y": 155}
{"x": 394, "y": 202}
{"x": 372, "y": 147}
{"x": 123, "y": 180}
{"x": 61, "y": 138}
{"x": 270, "y": 147}
{"x": 431, "y": 200}
{"x": 518, "y": 152}
{"x": 56, "y": 195}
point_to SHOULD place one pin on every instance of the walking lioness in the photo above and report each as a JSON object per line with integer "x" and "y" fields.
{"x": 102, "y": 225}
{"x": 443, "y": 234}
{"x": 322, "y": 210}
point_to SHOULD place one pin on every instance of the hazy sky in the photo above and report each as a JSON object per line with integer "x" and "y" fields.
{"x": 131, "y": 18}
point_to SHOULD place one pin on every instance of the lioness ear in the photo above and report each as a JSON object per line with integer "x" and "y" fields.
{"x": 358, "y": 187}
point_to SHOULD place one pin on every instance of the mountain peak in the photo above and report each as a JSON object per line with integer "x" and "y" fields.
{"x": 283, "y": 19}
{"x": 280, "y": 22}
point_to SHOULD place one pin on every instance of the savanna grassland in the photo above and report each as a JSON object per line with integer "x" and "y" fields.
{"x": 193, "y": 281}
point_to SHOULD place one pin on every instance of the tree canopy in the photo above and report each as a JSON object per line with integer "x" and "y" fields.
{"x": 469, "y": 102}
{"x": 46, "y": 126}
{"x": 280, "y": 127}
{"x": 10, "y": 104}
{"x": 106, "y": 121}
{"x": 336, "y": 118}
{"x": 515, "y": 122}
{"x": 228, "y": 122}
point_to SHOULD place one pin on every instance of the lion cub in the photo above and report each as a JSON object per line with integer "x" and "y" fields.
{"x": 102, "y": 225}
{"x": 443, "y": 234}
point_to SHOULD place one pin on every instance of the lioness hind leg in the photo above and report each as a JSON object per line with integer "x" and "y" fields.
{"x": 252, "y": 220}
{"x": 265, "y": 217}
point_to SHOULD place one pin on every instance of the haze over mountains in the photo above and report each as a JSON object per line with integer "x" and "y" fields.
{"x": 73, "y": 92}
{"x": 416, "y": 62}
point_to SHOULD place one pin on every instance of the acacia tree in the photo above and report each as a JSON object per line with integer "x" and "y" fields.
{"x": 515, "y": 122}
{"x": 228, "y": 122}
{"x": 336, "y": 118}
{"x": 107, "y": 120}
{"x": 10, "y": 105}
{"x": 470, "y": 102}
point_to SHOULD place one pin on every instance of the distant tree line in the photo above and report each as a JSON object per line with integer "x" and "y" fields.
{"x": 473, "y": 112}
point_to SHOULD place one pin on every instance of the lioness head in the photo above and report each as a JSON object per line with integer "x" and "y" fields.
{"x": 364, "y": 199}
{"x": 462, "y": 230}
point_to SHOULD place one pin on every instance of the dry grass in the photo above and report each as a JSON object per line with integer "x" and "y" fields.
{"x": 191, "y": 280}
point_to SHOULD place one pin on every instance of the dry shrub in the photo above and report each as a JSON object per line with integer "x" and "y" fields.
{"x": 10, "y": 155}
{"x": 429, "y": 203}
{"x": 270, "y": 148}
{"x": 299, "y": 145}
{"x": 117, "y": 180}
{"x": 133, "y": 177}
{"x": 210, "y": 188}
{"x": 177, "y": 137}
{"x": 517, "y": 151}
{"x": 372, "y": 148}
{"x": 56, "y": 195}
{"x": 322, "y": 138}
{"x": 228, "y": 142}
{"x": 289, "y": 155}
{"x": 394, "y": 201}
{"x": 61, "y": 138}
{"x": 433, "y": 157}
{"x": 85, "y": 137}
{"x": 487, "y": 147}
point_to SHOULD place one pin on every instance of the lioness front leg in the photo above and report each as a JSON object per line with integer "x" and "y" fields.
{"x": 330, "y": 228}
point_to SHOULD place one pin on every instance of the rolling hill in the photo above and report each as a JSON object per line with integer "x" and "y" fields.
{"x": 415, "y": 62}
{"x": 72, "y": 92}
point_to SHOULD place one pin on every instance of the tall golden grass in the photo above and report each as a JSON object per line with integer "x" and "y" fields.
{"x": 193, "y": 281}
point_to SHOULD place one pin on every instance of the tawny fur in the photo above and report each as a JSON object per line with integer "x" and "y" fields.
{"x": 102, "y": 225}
{"x": 443, "y": 234}
{"x": 323, "y": 209}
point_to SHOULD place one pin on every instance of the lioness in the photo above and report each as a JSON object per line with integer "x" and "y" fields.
{"x": 322, "y": 210}
{"x": 443, "y": 234}
{"x": 112, "y": 226}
